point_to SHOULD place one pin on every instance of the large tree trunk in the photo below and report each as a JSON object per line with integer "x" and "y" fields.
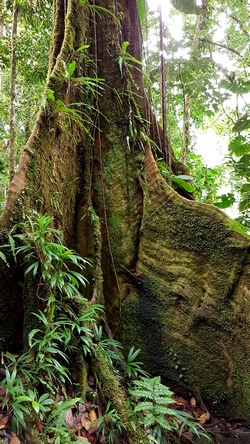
{"x": 173, "y": 274}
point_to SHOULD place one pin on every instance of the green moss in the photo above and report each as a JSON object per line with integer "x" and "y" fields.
{"x": 190, "y": 307}
{"x": 113, "y": 391}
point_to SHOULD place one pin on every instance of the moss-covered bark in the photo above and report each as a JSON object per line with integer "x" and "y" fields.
{"x": 191, "y": 308}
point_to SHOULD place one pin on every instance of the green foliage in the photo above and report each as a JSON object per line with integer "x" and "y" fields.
{"x": 110, "y": 424}
{"x": 242, "y": 124}
{"x": 180, "y": 180}
{"x": 45, "y": 256}
{"x": 107, "y": 346}
{"x": 207, "y": 181}
{"x": 20, "y": 400}
{"x": 134, "y": 368}
{"x": 154, "y": 404}
{"x": 141, "y": 4}
{"x": 226, "y": 201}
{"x": 56, "y": 425}
{"x": 239, "y": 146}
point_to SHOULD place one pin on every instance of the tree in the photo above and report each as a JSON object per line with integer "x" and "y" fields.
{"x": 172, "y": 273}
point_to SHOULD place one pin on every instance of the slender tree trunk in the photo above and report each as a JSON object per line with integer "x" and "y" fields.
{"x": 186, "y": 98}
{"x": 2, "y": 10}
{"x": 185, "y": 126}
{"x": 12, "y": 132}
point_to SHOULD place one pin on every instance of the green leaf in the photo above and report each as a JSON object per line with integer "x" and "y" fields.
{"x": 244, "y": 204}
{"x": 242, "y": 167}
{"x": 82, "y": 47}
{"x": 227, "y": 200}
{"x": 124, "y": 48}
{"x": 141, "y": 9}
{"x": 186, "y": 6}
{"x": 23, "y": 398}
{"x": 242, "y": 124}
{"x": 185, "y": 185}
{"x": 236, "y": 144}
{"x": 245, "y": 188}
{"x": 36, "y": 406}
{"x": 3, "y": 257}
{"x": 50, "y": 95}
{"x": 33, "y": 267}
{"x": 71, "y": 68}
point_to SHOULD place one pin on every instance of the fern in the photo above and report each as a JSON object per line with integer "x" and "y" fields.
{"x": 152, "y": 400}
{"x": 152, "y": 388}
{"x": 56, "y": 423}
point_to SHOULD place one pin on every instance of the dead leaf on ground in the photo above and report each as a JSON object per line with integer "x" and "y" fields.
{"x": 39, "y": 425}
{"x": 82, "y": 438}
{"x": 188, "y": 436}
{"x": 193, "y": 402}
{"x": 15, "y": 440}
{"x": 203, "y": 418}
{"x": 86, "y": 423}
{"x": 92, "y": 416}
{"x": 69, "y": 419}
{"x": 3, "y": 421}
{"x": 197, "y": 413}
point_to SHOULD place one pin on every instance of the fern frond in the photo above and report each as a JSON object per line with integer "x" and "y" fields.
{"x": 144, "y": 406}
{"x": 140, "y": 393}
{"x": 163, "y": 423}
{"x": 162, "y": 410}
{"x": 149, "y": 420}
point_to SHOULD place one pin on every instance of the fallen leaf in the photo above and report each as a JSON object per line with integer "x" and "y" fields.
{"x": 69, "y": 419}
{"x": 4, "y": 421}
{"x": 81, "y": 438}
{"x": 188, "y": 436}
{"x": 39, "y": 425}
{"x": 86, "y": 423}
{"x": 193, "y": 402}
{"x": 15, "y": 440}
{"x": 92, "y": 416}
{"x": 197, "y": 413}
{"x": 179, "y": 400}
{"x": 203, "y": 418}
{"x": 208, "y": 415}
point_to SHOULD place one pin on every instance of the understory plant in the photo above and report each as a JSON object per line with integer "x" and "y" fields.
{"x": 69, "y": 324}
{"x": 153, "y": 402}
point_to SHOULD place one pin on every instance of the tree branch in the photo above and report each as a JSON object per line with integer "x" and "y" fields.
{"x": 220, "y": 45}
{"x": 241, "y": 26}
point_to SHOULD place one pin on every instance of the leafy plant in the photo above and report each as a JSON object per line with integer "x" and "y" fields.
{"x": 19, "y": 400}
{"x": 133, "y": 368}
{"x": 55, "y": 424}
{"x": 153, "y": 403}
{"x": 179, "y": 180}
{"x": 110, "y": 424}
{"x": 107, "y": 346}
{"x": 13, "y": 385}
{"x": 45, "y": 255}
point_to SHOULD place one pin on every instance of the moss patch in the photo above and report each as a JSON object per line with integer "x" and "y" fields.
{"x": 191, "y": 312}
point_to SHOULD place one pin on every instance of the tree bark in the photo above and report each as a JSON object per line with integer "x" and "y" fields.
{"x": 173, "y": 274}
{"x": 12, "y": 132}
